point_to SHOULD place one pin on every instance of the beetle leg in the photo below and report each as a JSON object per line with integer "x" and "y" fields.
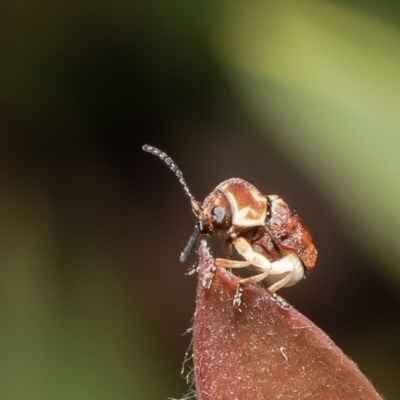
{"x": 192, "y": 269}
{"x": 208, "y": 277}
{"x": 252, "y": 258}
{"x": 224, "y": 263}
{"x": 285, "y": 272}
{"x": 244, "y": 248}
{"x": 280, "y": 284}
{"x": 245, "y": 282}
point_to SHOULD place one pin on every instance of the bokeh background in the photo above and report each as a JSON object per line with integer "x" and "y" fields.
{"x": 301, "y": 98}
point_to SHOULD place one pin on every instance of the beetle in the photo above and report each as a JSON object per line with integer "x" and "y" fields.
{"x": 264, "y": 230}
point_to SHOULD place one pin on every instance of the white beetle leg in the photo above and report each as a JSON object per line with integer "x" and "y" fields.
{"x": 252, "y": 258}
{"x": 221, "y": 263}
{"x": 262, "y": 264}
{"x": 224, "y": 263}
{"x": 285, "y": 272}
{"x": 244, "y": 248}
{"x": 280, "y": 284}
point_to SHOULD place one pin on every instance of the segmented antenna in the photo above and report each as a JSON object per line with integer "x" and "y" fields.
{"x": 195, "y": 205}
{"x": 172, "y": 166}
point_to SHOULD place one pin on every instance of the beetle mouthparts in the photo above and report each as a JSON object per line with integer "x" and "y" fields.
{"x": 192, "y": 241}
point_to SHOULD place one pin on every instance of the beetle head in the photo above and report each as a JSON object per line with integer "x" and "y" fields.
{"x": 215, "y": 216}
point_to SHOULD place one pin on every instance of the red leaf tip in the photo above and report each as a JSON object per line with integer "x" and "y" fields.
{"x": 263, "y": 350}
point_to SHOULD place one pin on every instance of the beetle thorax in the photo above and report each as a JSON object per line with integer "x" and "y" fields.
{"x": 248, "y": 205}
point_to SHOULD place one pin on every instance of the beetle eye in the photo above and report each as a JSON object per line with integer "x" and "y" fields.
{"x": 219, "y": 214}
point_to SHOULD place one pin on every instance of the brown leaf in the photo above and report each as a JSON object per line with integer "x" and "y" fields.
{"x": 264, "y": 350}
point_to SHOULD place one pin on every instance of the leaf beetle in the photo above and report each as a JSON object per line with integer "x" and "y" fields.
{"x": 264, "y": 230}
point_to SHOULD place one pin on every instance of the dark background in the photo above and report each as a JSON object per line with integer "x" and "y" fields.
{"x": 93, "y": 299}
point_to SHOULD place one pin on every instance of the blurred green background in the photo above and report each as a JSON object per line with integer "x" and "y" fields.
{"x": 301, "y": 98}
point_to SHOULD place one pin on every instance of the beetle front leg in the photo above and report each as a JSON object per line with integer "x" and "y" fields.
{"x": 224, "y": 263}
{"x": 261, "y": 263}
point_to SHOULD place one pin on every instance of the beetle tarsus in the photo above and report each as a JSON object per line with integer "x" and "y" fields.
{"x": 237, "y": 300}
{"x": 208, "y": 277}
{"x": 192, "y": 269}
{"x": 282, "y": 302}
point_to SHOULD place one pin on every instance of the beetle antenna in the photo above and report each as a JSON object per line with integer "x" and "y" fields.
{"x": 192, "y": 241}
{"x": 195, "y": 205}
{"x": 172, "y": 166}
